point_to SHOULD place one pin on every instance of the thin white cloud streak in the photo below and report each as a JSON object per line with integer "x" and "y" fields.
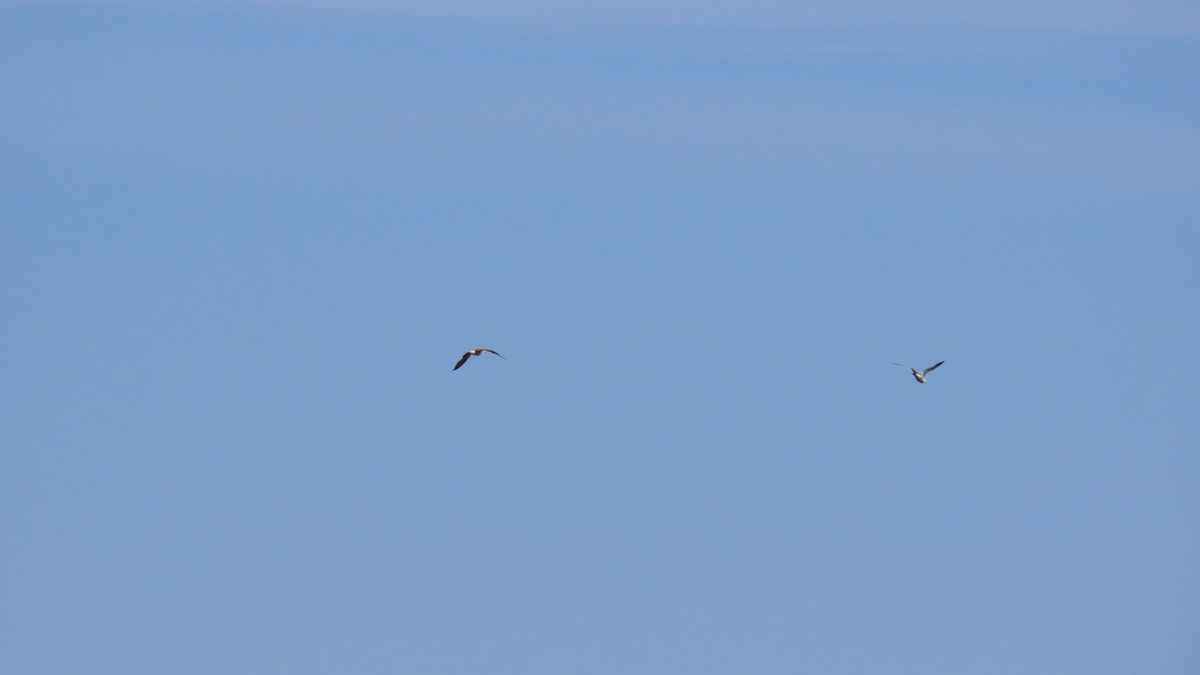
{"x": 709, "y": 136}
{"x": 1158, "y": 18}
{"x": 644, "y": 133}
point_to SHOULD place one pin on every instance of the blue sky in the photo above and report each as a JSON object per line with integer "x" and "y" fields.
{"x": 243, "y": 245}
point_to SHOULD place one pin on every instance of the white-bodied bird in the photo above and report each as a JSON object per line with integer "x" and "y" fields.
{"x": 919, "y": 375}
{"x": 475, "y": 352}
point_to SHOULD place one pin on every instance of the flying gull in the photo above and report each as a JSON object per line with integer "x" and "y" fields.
{"x": 919, "y": 375}
{"x": 476, "y": 352}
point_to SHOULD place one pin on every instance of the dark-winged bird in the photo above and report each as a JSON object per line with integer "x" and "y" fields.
{"x": 919, "y": 375}
{"x": 476, "y": 352}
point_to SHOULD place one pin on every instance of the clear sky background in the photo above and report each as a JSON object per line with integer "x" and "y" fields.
{"x": 243, "y": 244}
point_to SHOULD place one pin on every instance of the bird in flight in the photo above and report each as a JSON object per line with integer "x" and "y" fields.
{"x": 477, "y": 352}
{"x": 919, "y": 375}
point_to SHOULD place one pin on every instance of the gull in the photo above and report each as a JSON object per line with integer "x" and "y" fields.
{"x": 921, "y": 375}
{"x": 475, "y": 352}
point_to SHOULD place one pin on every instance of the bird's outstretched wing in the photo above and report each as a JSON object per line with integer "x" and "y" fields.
{"x": 462, "y": 360}
{"x": 905, "y": 365}
{"x": 932, "y": 368}
{"x": 493, "y": 351}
